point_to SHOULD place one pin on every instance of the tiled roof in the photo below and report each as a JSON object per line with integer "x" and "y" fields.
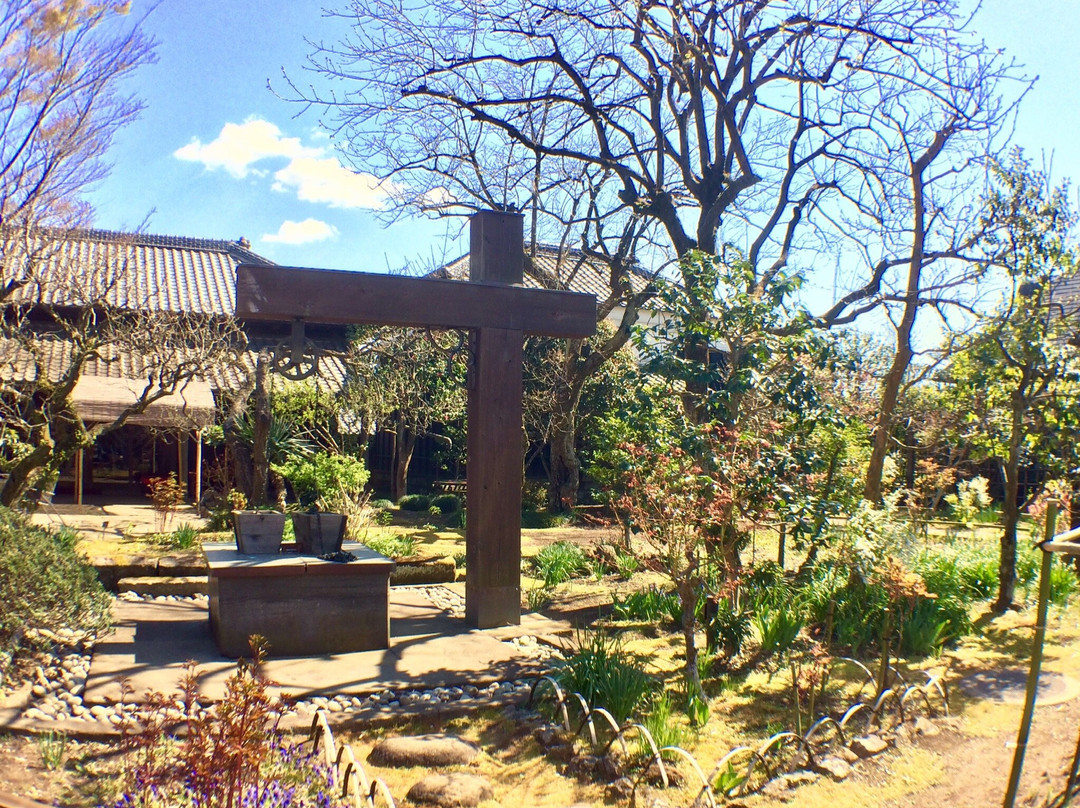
{"x": 17, "y": 363}
{"x": 143, "y": 272}
{"x": 1067, "y": 294}
{"x": 552, "y": 268}
{"x": 134, "y": 271}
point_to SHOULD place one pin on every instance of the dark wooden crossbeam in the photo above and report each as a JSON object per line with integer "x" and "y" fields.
{"x": 333, "y": 296}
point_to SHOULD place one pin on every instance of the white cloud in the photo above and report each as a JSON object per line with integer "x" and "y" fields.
{"x": 304, "y": 232}
{"x": 311, "y": 172}
{"x": 327, "y": 181}
{"x": 241, "y": 145}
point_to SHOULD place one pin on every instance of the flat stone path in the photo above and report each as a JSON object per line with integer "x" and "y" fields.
{"x": 428, "y": 649}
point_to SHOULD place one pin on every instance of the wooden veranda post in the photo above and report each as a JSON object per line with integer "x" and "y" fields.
{"x": 498, "y": 312}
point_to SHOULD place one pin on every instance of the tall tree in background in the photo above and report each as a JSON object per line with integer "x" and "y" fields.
{"x": 939, "y": 152}
{"x": 643, "y": 131}
{"x": 404, "y": 381}
{"x": 1019, "y": 377}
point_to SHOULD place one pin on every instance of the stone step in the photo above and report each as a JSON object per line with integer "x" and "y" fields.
{"x": 182, "y": 585}
{"x": 112, "y": 569}
{"x": 428, "y": 571}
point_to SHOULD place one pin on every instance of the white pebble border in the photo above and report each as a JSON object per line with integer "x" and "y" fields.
{"x": 60, "y": 679}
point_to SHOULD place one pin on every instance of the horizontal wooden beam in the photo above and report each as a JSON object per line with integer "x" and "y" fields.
{"x": 333, "y": 296}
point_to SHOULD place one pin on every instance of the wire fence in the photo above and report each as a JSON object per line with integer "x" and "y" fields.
{"x": 346, "y": 771}
{"x": 748, "y": 769}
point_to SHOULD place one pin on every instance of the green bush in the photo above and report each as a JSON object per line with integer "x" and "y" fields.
{"x": 924, "y": 629}
{"x": 606, "y": 675}
{"x": 727, "y": 629}
{"x": 850, "y": 611}
{"x": 382, "y": 504}
{"x": 44, "y": 583}
{"x": 664, "y": 730}
{"x": 327, "y": 480}
{"x": 559, "y": 562}
{"x": 414, "y": 502}
{"x": 626, "y": 565}
{"x": 183, "y": 538}
{"x": 446, "y": 503}
{"x": 1063, "y": 583}
{"x": 543, "y": 520}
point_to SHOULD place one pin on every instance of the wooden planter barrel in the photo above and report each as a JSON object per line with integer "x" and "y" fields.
{"x": 258, "y": 532}
{"x": 318, "y": 533}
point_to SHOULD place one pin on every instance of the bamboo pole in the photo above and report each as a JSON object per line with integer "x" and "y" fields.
{"x": 1036, "y": 659}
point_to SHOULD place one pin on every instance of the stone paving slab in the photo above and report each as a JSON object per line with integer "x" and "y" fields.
{"x": 1009, "y": 686}
{"x": 428, "y": 648}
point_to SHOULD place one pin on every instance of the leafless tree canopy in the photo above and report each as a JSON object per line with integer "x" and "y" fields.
{"x": 776, "y": 126}
{"x": 60, "y": 64}
{"x": 843, "y": 138}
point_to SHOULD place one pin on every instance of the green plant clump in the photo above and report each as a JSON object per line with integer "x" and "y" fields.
{"x": 414, "y": 502}
{"x": 543, "y": 520}
{"x": 184, "y": 537}
{"x": 606, "y": 675}
{"x": 651, "y": 605}
{"x": 44, "y": 584}
{"x": 397, "y": 547}
{"x": 382, "y": 504}
{"x": 559, "y": 562}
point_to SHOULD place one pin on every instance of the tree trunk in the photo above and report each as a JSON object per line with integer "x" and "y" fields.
{"x": 1010, "y": 513}
{"x": 688, "y": 600}
{"x": 404, "y": 446}
{"x": 564, "y": 472}
{"x": 260, "y": 463}
{"x": 890, "y": 392}
{"x": 55, "y": 439}
{"x": 23, "y": 474}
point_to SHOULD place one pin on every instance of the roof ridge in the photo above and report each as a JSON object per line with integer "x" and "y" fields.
{"x": 241, "y": 246}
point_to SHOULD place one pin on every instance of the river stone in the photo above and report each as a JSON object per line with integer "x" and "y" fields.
{"x": 423, "y": 750}
{"x": 924, "y": 726}
{"x": 454, "y": 790}
{"x": 788, "y": 782}
{"x": 835, "y": 767}
{"x": 868, "y": 746}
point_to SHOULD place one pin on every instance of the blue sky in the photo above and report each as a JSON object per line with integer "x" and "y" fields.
{"x": 216, "y": 154}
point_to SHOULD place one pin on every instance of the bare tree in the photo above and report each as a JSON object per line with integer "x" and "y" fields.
{"x": 405, "y": 381}
{"x": 87, "y": 310}
{"x": 940, "y": 151}
{"x": 61, "y": 65}
{"x": 641, "y": 131}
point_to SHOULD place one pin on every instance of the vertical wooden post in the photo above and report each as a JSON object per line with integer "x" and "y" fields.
{"x": 79, "y": 459}
{"x": 493, "y": 467}
{"x": 182, "y": 476}
{"x": 198, "y": 466}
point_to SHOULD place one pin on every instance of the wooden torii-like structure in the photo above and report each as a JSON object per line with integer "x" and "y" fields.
{"x": 498, "y": 312}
